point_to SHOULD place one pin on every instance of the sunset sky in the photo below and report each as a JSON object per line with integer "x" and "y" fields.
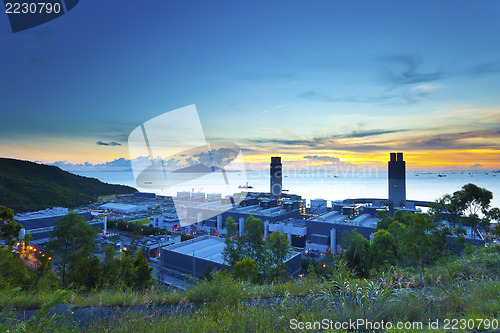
{"x": 316, "y": 82}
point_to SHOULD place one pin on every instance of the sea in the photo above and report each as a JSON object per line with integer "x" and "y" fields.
{"x": 328, "y": 185}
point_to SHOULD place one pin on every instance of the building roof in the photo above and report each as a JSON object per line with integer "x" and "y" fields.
{"x": 43, "y": 218}
{"x": 334, "y": 217}
{"x": 56, "y": 211}
{"x": 291, "y": 221}
{"x": 330, "y": 217}
{"x": 122, "y": 207}
{"x": 205, "y": 247}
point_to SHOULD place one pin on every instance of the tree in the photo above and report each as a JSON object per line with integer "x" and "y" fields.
{"x": 6, "y": 214}
{"x": 249, "y": 244}
{"x": 357, "y": 253}
{"x": 384, "y": 220}
{"x": 399, "y": 231}
{"x": 277, "y": 249}
{"x": 71, "y": 241}
{"x": 142, "y": 271}
{"x": 494, "y": 215}
{"x": 269, "y": 255}
{"x": 9, "y": 229}
{"x": 311, "y": 272}
{"x": 86, "y": 272}
{"x": 207, "y": 272}
{"x": 446, "y": 208}
{"x": 110, "y": 265}
{"x": 231, "y": 227}
{"x": 13, "y": 271}
{"x": 383, "y": 248}
{"x": 472, "y": 200}
{"x": 419, "y": 239}
{"x": 245, "y": 269}
{"x": 252, "y": 238}
{"x": 126, "y": 272}
{"x": 231, "y": 252}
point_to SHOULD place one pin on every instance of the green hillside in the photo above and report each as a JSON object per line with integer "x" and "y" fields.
{"x": 27, "y": 186}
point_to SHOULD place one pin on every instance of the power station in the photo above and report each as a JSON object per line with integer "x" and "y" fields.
{"x": 397, "y": 180}
{"x": 276, "y": 177}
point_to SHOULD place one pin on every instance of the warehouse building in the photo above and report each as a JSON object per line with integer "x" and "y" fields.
{"x": 195, "y": 255}
{"x": 41, "y": 223}
{"x": 144, "y": 195}
{"x": 123, "y": 208}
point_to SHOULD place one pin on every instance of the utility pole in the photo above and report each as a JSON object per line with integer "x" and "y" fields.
{"x": 194, "y": 266}
{"x": 160, "y": 271}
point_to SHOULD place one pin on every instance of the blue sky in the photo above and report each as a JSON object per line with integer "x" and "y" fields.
{"x": 353, "y": 80}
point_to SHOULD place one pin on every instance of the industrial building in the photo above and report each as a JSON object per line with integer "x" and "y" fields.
{"x": 151, "y": 245}
{"x": 41, "y": 223}
{"x": 258, "y": 205}
{"x": 324, "y": 228}
{"x": 144, "y": 195}
{"x": 123, "y": 208}
{"x": 325, "y": 231}
{"x": 318, "y": 206}
{"x": 295, "y": 229}
{"x": 165, "y": 221}
{"x": 195, "y": 255}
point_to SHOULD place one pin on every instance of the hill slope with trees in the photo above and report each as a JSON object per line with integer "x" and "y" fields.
{"x": 27, "y": 186}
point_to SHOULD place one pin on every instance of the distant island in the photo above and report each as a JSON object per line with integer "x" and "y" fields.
{"x": 27, "y": 186}
{"x": 197, "y": 168}
{"x": 200, "y": 168}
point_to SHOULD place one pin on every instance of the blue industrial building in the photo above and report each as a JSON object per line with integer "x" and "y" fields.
{"x": 41, "y": 223}
{"x": 286, "y": 213}
{"x": 144, "y": 195}
{"x": 195, "y": 255}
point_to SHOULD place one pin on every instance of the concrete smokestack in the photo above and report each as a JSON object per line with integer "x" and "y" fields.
{"x": 397, "y": 179}
{"x": 276, "y": 177}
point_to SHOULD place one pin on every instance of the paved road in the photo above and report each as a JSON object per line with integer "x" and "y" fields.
{"x": 86, "y": 316}
{"x": 169, "y": 278}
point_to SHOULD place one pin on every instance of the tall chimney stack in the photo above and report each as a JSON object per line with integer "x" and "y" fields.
{"x": 276, "y": 177}
{"x": 397, "y": 180}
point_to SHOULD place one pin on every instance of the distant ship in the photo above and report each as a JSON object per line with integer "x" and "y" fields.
{"x": 245, "y": 186}
{"x": 441, "y": 175}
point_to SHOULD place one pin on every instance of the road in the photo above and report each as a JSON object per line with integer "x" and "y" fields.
{"x": 170, "y": 278}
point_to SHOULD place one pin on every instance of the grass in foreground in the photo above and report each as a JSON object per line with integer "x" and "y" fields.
{"x": 465, "y": 288}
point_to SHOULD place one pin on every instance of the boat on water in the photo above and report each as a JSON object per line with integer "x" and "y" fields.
{"x": 245, "y": 186}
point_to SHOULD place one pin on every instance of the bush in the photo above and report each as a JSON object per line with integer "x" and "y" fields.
{"x": 223, "y": 289}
